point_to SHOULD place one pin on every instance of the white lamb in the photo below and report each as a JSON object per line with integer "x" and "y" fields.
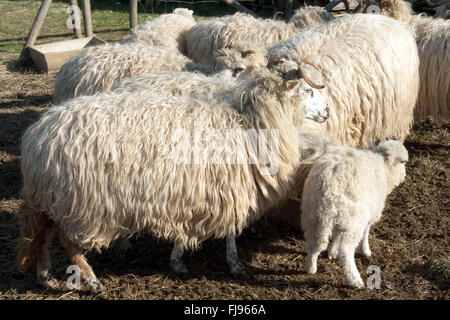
{"x": 343, "y": 196}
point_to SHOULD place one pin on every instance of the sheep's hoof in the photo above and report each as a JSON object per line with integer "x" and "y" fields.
{"x": 332, "y": 255}
{"x": 367, "y": 252}
{"x": 356, "y": 283}
{"x": 49, "y": 282}
{"x": 179, "y": 268}
{"x": 239, "y": 274}
{"x": 310, "y": 269}
{"x": 94, "y": 285}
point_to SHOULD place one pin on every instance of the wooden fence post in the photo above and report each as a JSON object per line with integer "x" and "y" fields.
{"x": 34, "y": 32}
{"x": 87, "y": 18}
{"x": 133, "y": 14}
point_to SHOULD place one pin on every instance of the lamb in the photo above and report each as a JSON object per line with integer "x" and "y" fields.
{"x": 370, "y": 66}
{"x": 104, "y": 167}
{"x": 343, "y": 196}
{"x": 166, "y": 31}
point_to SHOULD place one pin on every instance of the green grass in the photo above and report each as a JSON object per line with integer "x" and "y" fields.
{"x": 440, "y": 270}
{"x": 110, "y": 21}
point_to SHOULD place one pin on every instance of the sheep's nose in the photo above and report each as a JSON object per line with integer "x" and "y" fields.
{"x": 327, "y": 111}
{"x": 238, "y": 70}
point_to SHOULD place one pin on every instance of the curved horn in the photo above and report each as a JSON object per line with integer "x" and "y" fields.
{"x": 330, "y": 6}
{"x": 301, "y": 75}
{"x": 435, "y": 5}
{"x": 360, "y": 8}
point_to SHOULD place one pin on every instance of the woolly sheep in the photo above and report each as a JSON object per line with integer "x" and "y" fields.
{"x": 166, "y": 31}
{"x": 104, "y": 167}
{"x": 370, "y": 66}
{"x": 343, "y": 196}
{"x": 97, "y": 69}
{"x": 310, "y": 16}
{"x": 215, "y": 34}
{"x": 433, "y": 43}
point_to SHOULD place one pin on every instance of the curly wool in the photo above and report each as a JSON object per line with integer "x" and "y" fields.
{"x": 167, "y": 30}
{"x": 207, "y": 36}
{"x": 370, "y": 67}
{"x": 310, "y": 16}
{"x": 433, "y": 43}
{"x": 344, "y": 194}
{"x": 97, "y": 69}
{"x": 101, "y": 167}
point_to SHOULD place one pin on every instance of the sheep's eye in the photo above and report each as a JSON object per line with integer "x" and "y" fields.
{"x": 247, "y": 53}
{"x": 310, "y": 91}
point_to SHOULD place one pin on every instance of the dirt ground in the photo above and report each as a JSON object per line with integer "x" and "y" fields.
{"x": 413, "y": 230}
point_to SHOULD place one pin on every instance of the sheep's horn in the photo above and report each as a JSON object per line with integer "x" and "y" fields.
{"x": 359, "y": 8}
{"x": 301, "y": 75}
{"x": 330, "y": 6}
{"x": 435, "y": 4}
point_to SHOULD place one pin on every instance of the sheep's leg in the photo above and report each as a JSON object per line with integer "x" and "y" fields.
{"x": 176, "y": 260}
{"x": 77, "y": 258}
{"x": 334, "y": 249}
{"x": 236, "y": 267}
{"x": 43, "y": 261}
{"x": 315, "y": 244}
{"x": 347, "y": 258}
{"x": 364, "y": 244}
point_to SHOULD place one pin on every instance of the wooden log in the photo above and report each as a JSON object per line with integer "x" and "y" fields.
{"x": 289, "y": 9}
{"x": 87, "y": 18}
{"x": 133, "y": 14}
{"x": 76, "y": 31}
{"x": 240, "y": 7}
{"x": 34, "y": 32}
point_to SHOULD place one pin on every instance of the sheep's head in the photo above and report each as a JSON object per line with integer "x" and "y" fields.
{"x": 239, "y": 58}
{"x": 397, "y": 9}
{"x": 395, "y": 157}
{"x": 298, "y": 83}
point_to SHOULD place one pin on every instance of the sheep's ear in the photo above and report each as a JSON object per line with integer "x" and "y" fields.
{"x": 290, "y": 85}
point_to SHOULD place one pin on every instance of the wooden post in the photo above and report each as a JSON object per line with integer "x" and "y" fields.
{"x": 76, "y": 31}
{"x": 240, "y": 7}
{"x": 133, "y": 14}
{"x": 87, "y": 18}
{"x": 289, "y": 9}
{"x": 34, "y": 32}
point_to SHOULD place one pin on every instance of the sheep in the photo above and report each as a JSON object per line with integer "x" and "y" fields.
{"x": 166, "y": 31}
{"x": 343, "y": 196}
{"x": 433, "y": 43}
{"x": 98, "y": 68}
{"x": 433, "y": 40}
{"x": 370, "y": 66}
{"x": 215, "y": 34}
{"x": 310, "y": 16}
{"x": 108, "y": 166}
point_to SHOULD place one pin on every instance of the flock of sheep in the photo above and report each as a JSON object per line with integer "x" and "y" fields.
{"x": 339, "y": 94}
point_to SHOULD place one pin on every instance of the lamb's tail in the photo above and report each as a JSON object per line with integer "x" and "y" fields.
{"x": 32, "y": 224}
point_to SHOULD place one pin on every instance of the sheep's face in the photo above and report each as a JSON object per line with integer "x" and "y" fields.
{"x": 395, "y": 157}
{"x": 238, "y": 59}
{"x": 308, "y": 93}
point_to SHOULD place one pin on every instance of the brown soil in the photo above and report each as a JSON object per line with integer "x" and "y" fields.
{"x": 413, "y": 230}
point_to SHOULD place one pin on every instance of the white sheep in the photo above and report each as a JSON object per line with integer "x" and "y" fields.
{"x": 310, "y": 16}
{"x": 166, "y": 31}
{"x": 108, "y": 166}
{"x": 433, "y": 43}
{"x": 97, "y": 69}
{"x": 210, "y": 35}
{"x": 343, "y": 196}
{"x": 370, "y": 66}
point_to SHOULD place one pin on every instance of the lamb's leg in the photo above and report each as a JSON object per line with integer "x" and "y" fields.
{"x": 364, "y": 244}
{"x": 334, "y": 249}
{"x": 347, "y": 258}
{"x": 77, "y": 258}
{"x": 236, "y": 267}
{"x": 43, "y": 261}
{"x": 176, "y": 260}
{"x": 315, "y": 244}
